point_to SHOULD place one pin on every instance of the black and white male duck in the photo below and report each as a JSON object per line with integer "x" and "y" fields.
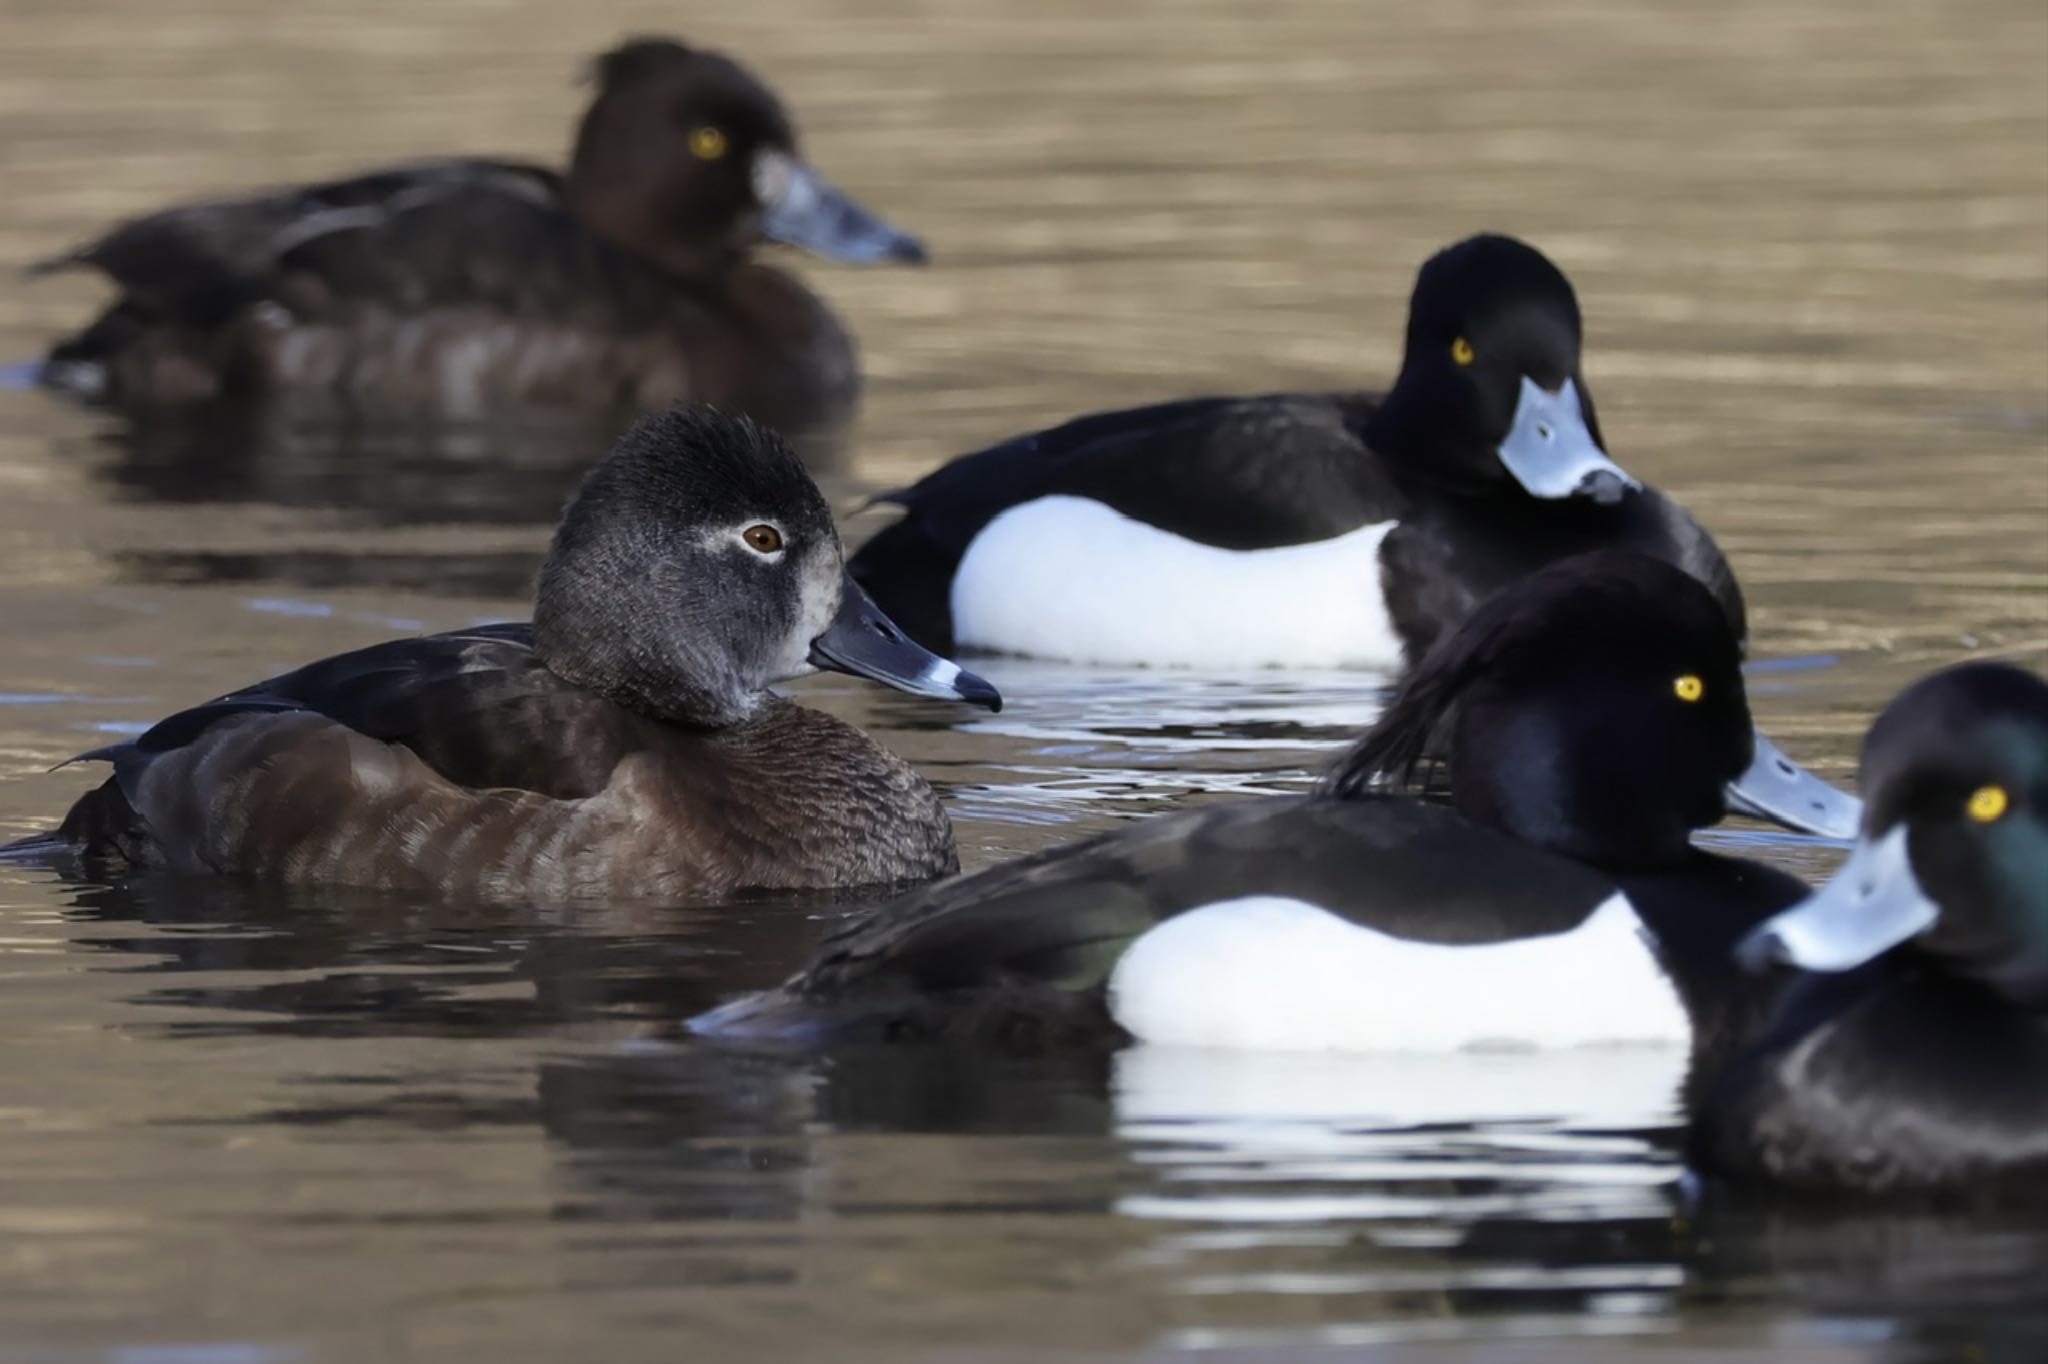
{"x": 1596, "y": 718}
{"x": 1918, "y": 1063}
{"x": 1292, "y": 529}
{"x": 456, "y": 286}
{"x": 1307, "y": 530}
{"x": 624, "y": 743}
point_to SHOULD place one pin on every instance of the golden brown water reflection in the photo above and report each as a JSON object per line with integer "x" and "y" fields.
{"x": 1811, "y": 241}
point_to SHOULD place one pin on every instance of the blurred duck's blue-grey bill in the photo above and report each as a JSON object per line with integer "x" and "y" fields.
{"x": 864, "y": 642}
{"x": 1873, "y": 904}
{"x": 1780, "y": 790}
{"x": 803, "y": 209}
{"x": 1552, "y": 453}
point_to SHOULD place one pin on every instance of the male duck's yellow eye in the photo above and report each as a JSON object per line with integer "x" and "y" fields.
{"x": 762, "y": 539}
{"x": 707, "y": 143}
{"x": 1988, "y": 803}
{"x": 1461, "y": 351}
{"x": 1689, "y": 687}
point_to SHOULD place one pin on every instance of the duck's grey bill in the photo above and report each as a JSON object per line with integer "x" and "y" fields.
{"x": 803, "y": 209}
{"x": 1873, "y": 904}
{"x": 1780, "y": 790}
{"x": 1552, "y": 453}
{"x": 866, "y": 643}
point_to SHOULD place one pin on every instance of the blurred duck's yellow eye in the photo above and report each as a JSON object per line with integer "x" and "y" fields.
{"x": 1461, "y": 351}
{"x": 1689, "y": 687}
{"x": 1988, "y": 803}
{"x": 707, "y": 143}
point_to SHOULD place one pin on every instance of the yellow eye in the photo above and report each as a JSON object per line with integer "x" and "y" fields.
{"x": 762, "y": 539}
{"x": 707, "y": 143}
{"x": 1461, "y": 351}
{"x": 1988, "y": 803}
{"x": 1689, "y": 687}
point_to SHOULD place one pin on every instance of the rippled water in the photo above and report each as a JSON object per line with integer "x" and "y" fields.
{"x": 1812, "y": 245}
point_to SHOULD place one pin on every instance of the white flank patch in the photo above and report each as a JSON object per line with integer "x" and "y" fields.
{"x": 1269, "y": 972}
{"x": 1069, "y": 578}
{"x": 1220, "y": 1094}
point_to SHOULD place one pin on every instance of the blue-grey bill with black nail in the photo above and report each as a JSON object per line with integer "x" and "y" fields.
{"x": 1873, "y": 903}
{"x": 1551, "y": 451}
{"x": 864, "y": 642}
{"x": 1777, "y": 789}
{"x": 801, "y": 208}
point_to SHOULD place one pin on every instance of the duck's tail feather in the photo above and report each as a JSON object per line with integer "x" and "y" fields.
{"x": 1016, "y": 1016}
{"x": 775, "y": 1018}
{"x": 81, "y": 379}
{"x": 37, "y": 847}
{"x": 55, "y": 265}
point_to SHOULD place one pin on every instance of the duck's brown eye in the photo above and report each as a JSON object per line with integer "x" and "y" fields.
{"x": 1461, "y": 351}
{"x": 1688, "y": 687}
{"x": 762, "y": 539}
{"x": 1988, "y": 803}
{"x": 707, "y": 143}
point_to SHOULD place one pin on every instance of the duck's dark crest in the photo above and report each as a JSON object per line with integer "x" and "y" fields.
{"x": 1392, "y": 754}
{"x": 1612, "y": 601}
{"x": 632, "y": 59}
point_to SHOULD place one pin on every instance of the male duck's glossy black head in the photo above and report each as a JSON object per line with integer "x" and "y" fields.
{"x": 1490, "y": 396}
{"x": 1953, "y": 861}
{"x": 686, "y": 158}
{"x": 698, "y": 564}
{"x": 1596, "y": 710}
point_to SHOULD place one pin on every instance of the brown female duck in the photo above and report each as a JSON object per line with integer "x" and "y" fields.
{"x": 624, "y": 743}
{"x": 455, "y": 286}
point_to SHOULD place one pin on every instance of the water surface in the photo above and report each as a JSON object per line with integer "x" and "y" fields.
{"x": 1811, "y": 241}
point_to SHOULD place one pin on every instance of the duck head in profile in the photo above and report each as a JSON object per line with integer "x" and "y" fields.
{"x": 698, "y": 565}
{"x": 1952, "y": 867}
{"x": 1597, "y": 711}
{"x": 686, "y": 159}
{"x": 1490, "y": 395}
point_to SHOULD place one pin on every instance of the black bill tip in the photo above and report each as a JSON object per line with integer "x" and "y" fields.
{"x": 906, "y": 250}
{"x": 1603, "y": 487}
{"x": 863, "y": 642}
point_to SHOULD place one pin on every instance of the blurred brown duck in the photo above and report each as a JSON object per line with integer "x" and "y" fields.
{"x": 454, "y": 286}
{"x": 624, "y": 743}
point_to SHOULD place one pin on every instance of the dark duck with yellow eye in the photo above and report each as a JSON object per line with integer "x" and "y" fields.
{"x": 1592, "y": 718}
{"x": 458, "y": 286}
{"x": 625, "y": 743}
{"x": 1305, "y": 530}
{"x": 1916, "y": 1060}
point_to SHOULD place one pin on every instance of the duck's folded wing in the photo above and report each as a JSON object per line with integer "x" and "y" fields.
{"x": 427, "y": 233}
{"x": 499, "y": 242}
{"x": 1196, "y": 468}
{"x": 1192, "y": 467}
{"x": 1051, "y": 927}
{"x": 475, "y": 705}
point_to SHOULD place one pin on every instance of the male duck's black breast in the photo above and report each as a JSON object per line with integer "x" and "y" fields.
{"x": 1887, "y": 1080}
{"x": 1697, "y": 912}
{"x": 1237, "y": 473}
{"x": 1450, "y": 553}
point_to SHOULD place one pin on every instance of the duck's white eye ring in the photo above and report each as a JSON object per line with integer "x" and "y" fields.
{"x": 762, "y": 538}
